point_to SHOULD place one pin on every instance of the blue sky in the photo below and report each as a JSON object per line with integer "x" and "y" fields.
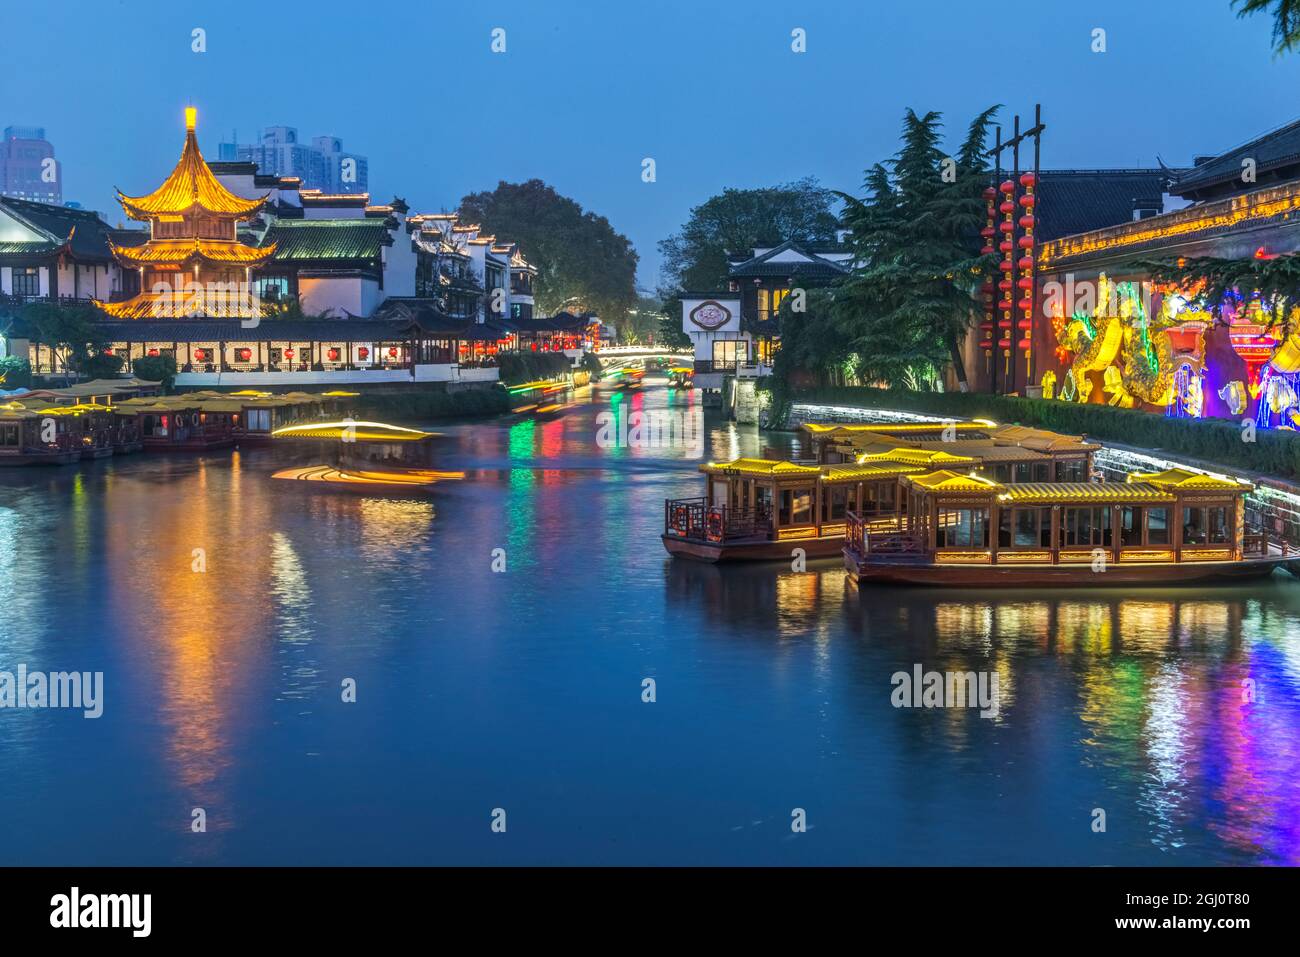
{"x": 587, "y": 88}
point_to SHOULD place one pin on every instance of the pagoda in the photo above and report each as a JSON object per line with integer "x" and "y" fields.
{"x": 193, "y": 264}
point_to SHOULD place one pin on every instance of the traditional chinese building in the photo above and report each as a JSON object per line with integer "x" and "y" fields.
{"x": 1112, "y": 331}
{"x": 193, "y": 263}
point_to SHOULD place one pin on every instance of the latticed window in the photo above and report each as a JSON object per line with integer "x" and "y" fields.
{"x": 27, "y": 281}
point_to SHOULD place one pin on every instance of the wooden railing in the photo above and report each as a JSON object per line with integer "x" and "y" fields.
{"x": 859, "y": 536}
{"x": 695, "y": 518}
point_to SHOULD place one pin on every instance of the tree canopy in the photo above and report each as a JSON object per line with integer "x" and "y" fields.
{"x": 582, "y": 261}
{"x": 1286, "y": 20}
{"x": 739, "y": 219}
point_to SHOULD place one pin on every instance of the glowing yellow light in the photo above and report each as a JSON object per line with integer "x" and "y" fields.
{"x": 191, "y": 118}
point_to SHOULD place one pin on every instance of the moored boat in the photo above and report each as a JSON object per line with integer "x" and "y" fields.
{"x": 1157, "y": 528}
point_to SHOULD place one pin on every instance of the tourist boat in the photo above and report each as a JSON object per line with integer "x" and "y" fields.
{"x": 681, "y": 377}
{"x": 760, "y": 509}
{"x": 32, "y": 431}
{"x": 1156, "y": 528}
{"x": 364, "y": 481}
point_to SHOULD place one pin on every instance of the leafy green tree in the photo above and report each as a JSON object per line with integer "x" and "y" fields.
{"x": 695, "y": 258}
{"x": 71, "y": 331}
{"x": 908, "y": 302}
{"x": 160, "y": 368}
{"x": 1286, "y": 20}
{"x": 582, "y": 262}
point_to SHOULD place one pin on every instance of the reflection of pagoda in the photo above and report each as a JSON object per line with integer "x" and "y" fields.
{"x": 192, "y": 265}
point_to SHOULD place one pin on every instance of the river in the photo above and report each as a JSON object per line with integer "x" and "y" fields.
{"x": 516, "y": 695}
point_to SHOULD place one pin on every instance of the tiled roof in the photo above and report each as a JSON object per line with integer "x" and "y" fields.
{"x": 327, "y": 239}
{"x": 56, "y": 223}
{"x": 1050, "y": 493}
{"x": 761, "y": 467}
{"x": 1273, "y": 152}
{"x": 1076, "y": 201}
{"x": 763, "y": 266}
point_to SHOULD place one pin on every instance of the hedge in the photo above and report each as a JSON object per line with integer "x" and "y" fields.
{"x": 1223, "y": 441}
{"x": 520, "y": 367}
{"x": 423, "y": 406}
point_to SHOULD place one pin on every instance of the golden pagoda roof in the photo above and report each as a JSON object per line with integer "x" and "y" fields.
{"x": 1051, "y": 493}
{"x": 1188, "y": 480}
{"x": 180, "y": 251}
{"x": 191, "y": 184}
{"x": 760, "y": 467}
{"x": 915, "y": 456}
{"x": 866, "y": 473}
{"x": 150, "y": 305}
{"x": 946, "y": 480}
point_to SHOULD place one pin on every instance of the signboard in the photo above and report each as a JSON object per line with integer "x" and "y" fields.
{"x": 710, "y": 315}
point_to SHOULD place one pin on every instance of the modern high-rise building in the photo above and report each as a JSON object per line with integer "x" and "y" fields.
{"x": 321, "y": 164}
{"x": 28, "y": 169}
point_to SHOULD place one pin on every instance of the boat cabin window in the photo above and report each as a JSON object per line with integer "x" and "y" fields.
{"x": 1002, "y": 473}
{"x": 1072, "y": 470}
{"x": 9, "y": 436}
{"x": 1157, "y": 526}
{"x": 1032, "y": 471}
{"x": 718, "y": 492}
{"x": 962, "y": 528}
{"x": 1025, "y": 528}
{"x": 763, "y": 500}
{"x": 796, "y": 506}
{"x": 1085, "y": 527}
{"x": 879, "y": 498}
{"x": 835, "y": 502}
{"x": 1205, "y": 526}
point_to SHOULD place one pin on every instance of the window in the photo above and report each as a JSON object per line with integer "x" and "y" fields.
{"x": 1157, "y": 526}
{"x": 1025, "y": 528}
{"x": 764, "y": 305}
{"x": 778, "y": 297}
{"x": 835, "y": 502}
{"x": 1082, "y": 527}
{"x": 27, "y": 281}
{"x": 1130, "y": 526}
{"x": 727, "y": 353}
{"x": 273, "y": 288}
{"x": 796, "y": 506}
{"x": 1205, "y": 526}
{"x": 962, "y": 528}
{"x": 9, "y": 436}
{"x": 1072, "y": 470}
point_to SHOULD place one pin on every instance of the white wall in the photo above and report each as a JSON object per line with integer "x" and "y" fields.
{"x": 339, "y": 296}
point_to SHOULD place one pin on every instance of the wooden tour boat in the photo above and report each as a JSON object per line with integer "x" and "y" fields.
{"x": 1157, "y": 528}
{"x": 761, "y": 509}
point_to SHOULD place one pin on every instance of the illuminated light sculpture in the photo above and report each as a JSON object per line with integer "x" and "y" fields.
{"x": 1234, "y": 395}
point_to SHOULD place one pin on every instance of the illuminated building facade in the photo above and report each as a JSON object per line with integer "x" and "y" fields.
{"x": 1111, "y": 331}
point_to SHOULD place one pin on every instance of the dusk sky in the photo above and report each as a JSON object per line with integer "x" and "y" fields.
{"x": 586, "y": 90}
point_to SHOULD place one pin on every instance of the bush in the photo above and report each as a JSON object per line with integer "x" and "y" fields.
{"x": 1212, "y": 440}
{"x": 157, "y": 369}
{"x": 100, "y": 366}
{"x": 423, "y": 406}
{"x": 15, "y": 373}
{"x": 518, "y": 367}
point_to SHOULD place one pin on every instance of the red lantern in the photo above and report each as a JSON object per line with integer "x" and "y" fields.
{"x": 392, "y": 352}
{"x": 987, "y": 250}
{"x": 1026, "y": 262}
{"x": 534, "y": 347}
{"x": 363, "y": 352}
{"x": 1028, "y": 179}
{"x": 1025, "y": 283}
{"x": 990, "y": 193}
{"x": 1027, "y": 221}
{"x": 1004, "y": 285}
{"x": 333, "y": 355}
{"x": 245, "y": 355}
{"x": 1007, "y": 186}
{"x": 1026, "y": 242}
{"x": 987, "y": 232}
{"x": 1007, "y": 207}
{"x": 153, "y": 352}
{"x": 288, "y": 353}
{"x": 201, "y": 354}
{"x": 1007, "y": 226}
{"x": 1025, "y": 305}
{"x": 1027, "y": 200}
{"x": 1006, "y": 265}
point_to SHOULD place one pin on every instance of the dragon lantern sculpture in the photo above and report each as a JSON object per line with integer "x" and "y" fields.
{"x": 1132, "y": 350}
